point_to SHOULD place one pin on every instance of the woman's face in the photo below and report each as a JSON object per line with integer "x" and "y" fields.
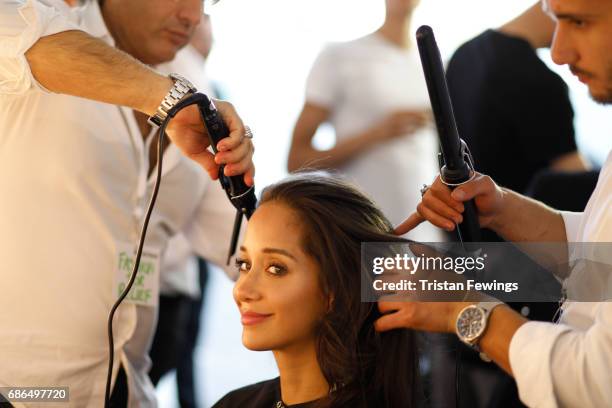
{"x": 278, "y": 291}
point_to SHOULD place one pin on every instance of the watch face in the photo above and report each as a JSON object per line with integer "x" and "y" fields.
{"x": 471, "y": 323}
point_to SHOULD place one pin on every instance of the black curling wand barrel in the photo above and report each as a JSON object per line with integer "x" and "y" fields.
{"x": 458, "y": 166}
{"x": 241, "y": 195}
{"x": 238, "y": 192}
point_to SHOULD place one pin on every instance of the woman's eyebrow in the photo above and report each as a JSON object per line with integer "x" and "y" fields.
{"x": 278, "y": 251}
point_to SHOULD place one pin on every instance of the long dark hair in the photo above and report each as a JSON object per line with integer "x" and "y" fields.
{"x": 364, "y": 368}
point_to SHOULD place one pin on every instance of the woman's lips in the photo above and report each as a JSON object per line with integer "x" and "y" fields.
{"x": 252, "y": 318}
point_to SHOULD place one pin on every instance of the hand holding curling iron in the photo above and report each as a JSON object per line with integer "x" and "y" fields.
{"x": 187, "y": 131}
{"x": 444, "y": 207}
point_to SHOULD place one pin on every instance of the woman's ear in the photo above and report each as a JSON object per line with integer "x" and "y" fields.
{"x": 330, "y": 302}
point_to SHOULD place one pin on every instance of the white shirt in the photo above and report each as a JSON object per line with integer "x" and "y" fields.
{"x": 73, "y": 177}
{"x": 570, "y": 364}
{"x": 361, "y": 82}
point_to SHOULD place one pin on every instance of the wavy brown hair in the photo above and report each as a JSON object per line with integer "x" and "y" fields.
{"x": 366, "y": 368}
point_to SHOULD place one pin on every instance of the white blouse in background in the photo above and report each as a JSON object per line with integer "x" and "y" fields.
{"x": 362, "y": 82}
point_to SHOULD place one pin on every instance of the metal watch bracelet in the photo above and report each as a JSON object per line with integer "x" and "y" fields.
{"x": 178, "y": 91}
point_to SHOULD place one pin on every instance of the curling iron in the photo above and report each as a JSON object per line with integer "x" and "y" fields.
{"x": 457, "y": 165}
{"x": 240, "y": 195}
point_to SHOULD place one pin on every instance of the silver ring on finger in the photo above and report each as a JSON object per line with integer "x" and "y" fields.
{"x": 248, "y": 133}
{"x": 424, "y": 189}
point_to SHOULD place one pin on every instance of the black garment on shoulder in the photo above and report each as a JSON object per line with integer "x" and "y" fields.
{"x": 511, "y": 109}
{"x": 265, "y": 394}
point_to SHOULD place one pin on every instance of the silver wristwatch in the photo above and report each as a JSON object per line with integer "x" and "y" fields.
{"x": 181, "y": 88}
{"x": 472, "y": 322}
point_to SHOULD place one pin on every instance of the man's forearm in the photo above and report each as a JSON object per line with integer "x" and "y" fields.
{"x": 75, "y": 63}
{"x": 343, "y": 152}
{"x": 526, "y": 220}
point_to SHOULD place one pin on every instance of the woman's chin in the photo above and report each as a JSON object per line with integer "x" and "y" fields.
{"x": 255, "y": 344}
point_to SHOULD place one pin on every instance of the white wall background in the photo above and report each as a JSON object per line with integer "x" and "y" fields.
{"x": 262, "y": 54}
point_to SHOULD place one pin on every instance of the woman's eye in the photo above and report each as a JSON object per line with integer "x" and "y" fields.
{"x": 276, "y": 269}
{"x": 577, "y": 23}
{"x": 242, "y": 265}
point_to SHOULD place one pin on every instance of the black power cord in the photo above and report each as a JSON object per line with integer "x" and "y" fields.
{"x": 160, "y": 143}
{"x": 111, "y": 344}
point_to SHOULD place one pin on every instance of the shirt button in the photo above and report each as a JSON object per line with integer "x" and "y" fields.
{"x": 138, "y": 213}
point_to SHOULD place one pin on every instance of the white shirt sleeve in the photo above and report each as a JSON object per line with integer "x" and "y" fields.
{"x": 210, "y": 230}
{"x": 572, "y": 222}
{"x": 558, "y": 366}
{"x": 323, "y": 86}
{"x": 22, "y": 23}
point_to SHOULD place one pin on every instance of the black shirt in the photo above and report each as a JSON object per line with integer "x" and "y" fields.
{"x": 511, "y": 109}
{"x": 265, "y": 394}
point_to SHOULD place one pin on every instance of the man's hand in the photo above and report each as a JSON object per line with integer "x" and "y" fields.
{"x": 444, "y": 207}
{"x": 188, "y": 133}
{"x": 442, "y": 317}
{"x": 426, "y": 316}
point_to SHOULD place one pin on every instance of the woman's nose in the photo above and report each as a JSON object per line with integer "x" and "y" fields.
{"x": 247, "y": 288}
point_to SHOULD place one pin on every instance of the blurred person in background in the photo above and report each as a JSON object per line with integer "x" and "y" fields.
{"x": 373, "y": 93}
{"x": 512, "y": 110}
